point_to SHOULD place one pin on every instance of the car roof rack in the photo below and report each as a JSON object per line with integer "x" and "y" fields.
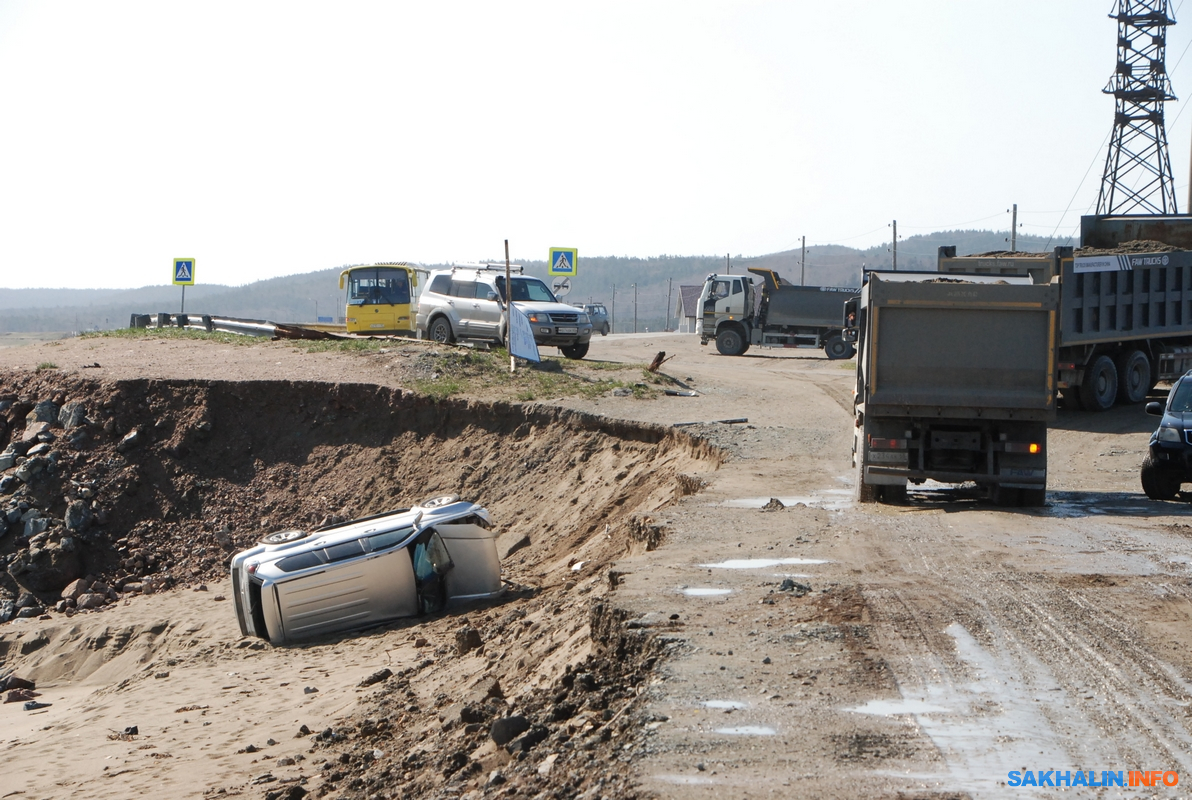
{"x": 490, "y": 267}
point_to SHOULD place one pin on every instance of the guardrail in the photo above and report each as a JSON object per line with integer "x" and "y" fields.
{"x": 243, "y": 327}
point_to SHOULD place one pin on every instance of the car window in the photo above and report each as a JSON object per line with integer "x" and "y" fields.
{"x": 338, "y": 552}
{"x": 527, "y": 290}
{"x": 300, "y": 561}
{"x": 381, "y": 541}
{"x": 1181, "y": 397}
{"x": 463, "y": 289}
{"x": 441, "y": 284}
{"x": 482, "y": 290}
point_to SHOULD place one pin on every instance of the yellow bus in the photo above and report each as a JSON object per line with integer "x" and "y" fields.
{"x": 383, "y": 297}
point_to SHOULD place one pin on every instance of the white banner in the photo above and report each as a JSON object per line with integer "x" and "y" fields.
{"x": 521, "y": 336}
{"x": 1101, "y": 263}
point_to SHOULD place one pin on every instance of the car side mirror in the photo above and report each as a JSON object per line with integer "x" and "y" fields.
{"x": 1154, "y": 409}
{"x": 493, "y": 297}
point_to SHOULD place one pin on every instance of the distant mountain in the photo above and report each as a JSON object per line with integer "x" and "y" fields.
{"x": 627, "y": 285}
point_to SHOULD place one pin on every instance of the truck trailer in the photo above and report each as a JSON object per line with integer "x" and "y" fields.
{"x": 736, "y": 315}
{"x": 955, "y": 383}
{"x": 1125, "y": 320}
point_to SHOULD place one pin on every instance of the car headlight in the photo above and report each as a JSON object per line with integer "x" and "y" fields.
{"x": 584, "y": 319}
{"x": 1169, "y": 434}
{"x": 537, "y": 316}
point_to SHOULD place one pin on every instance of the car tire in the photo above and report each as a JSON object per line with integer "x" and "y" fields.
{"x": 439, "y": 501}
{"x": 837, "y": 348}
{"x": 1099, "y": 389}
{"x": 575, "y": 351}
{"x": 283, "y": 537}
{"x": 440, "y": 331}
{"x": 605, "y": 330}
{"x": 1157, "y": 482}
{"x": 1134, "y": 376}
{"x": 863, "y": 492}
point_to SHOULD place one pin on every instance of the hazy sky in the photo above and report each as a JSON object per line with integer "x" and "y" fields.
{"x": 271, "y": 138}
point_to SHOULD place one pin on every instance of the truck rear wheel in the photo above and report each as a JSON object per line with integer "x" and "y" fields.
{"x": 1158, "y": 483}
{"x": 863, "y": 492}
{"x": 1134, "y": 376}
{"x": 1099, "y": 389}
{"x": 730, "y": 342}
{"x": 837, "y": 348}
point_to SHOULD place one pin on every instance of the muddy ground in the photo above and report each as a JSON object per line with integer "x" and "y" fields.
{"x": 659, "y": 640}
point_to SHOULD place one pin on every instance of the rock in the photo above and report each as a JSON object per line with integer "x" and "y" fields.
{"x": 35, "y": 526}
{"x": 774, "y": 505}
{"x": 39, "y": 449}
{"x": 75, "y": 588}
{"x": 527, "y": 741}
{"x": 294, "y": 792}
{"x": 467, "y": 639}
{"x": 495, "y": 778}
{"x": 378, "y": 676}
{"x": 26, "y": 600}
{"x": 90, "y": 600}
{"x": 132, "y": 730}
{"x": 13, "y": 682}
{"x": 62, "y": 605}
{"x": 794, "y": 587}
{"x": 78, "y": 516}
{"x": 29, "y": 437}
{"x": 7, "y": 609}
{"x": 21, "y": 695}
{"x": 29, "y": 612}
{"x": 45, "y": 411}
{"x": 506, "y": 729}
{"x": 72, "y": 415}
{"x": 7, "y": 459}
{"x": 33, "y": 705}
{"x": 9, "y": 484}
{"x": 310, "y": 690}
{"x": 622, "y": 392}
{"x": 509, "y": 543}
{"x": 29, "y": 469}
{"x": 132, "y": 439}
{"x": 47, "y": 567}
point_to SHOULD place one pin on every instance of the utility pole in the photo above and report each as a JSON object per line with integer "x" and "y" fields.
{"x": 612, "y": 314}
{"x": 895, "y": 248}
{"x": 635, "y": 308}
{"x": 728, "y": 263}
{"x": 666, "y": 325}
{"x": 509, "y": 309}
{"x": 803, "y": 264}
{"x": 1014, "y": 230}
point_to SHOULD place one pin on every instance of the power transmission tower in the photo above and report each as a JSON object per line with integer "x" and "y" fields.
{"x": 1137, "y": 176}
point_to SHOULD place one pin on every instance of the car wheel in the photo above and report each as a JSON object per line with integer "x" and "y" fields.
{"x": 283, "y": 537}
{"x": 1099, "y": 389}
{"x": 575, "y": 351}
{"x": 863, "y": 492}
{"x": 439, "y": 501}
{"x": 1158, "y": 483}
{"x": 837, "y": 348}
{"x": 605, "y": 330}
{"x": 440, "y": 331}
{"x": 730, "y": 342}
{"x": 1134, "y": 376}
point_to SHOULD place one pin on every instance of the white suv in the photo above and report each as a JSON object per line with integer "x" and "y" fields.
{"x": 467, "y": 302}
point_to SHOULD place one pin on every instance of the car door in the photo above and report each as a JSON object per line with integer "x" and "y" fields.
{"x": 486, "y": 316}
{"x": 462, "y": 303}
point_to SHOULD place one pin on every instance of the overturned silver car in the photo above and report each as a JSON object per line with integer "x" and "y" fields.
{"x": 296, "y": 584}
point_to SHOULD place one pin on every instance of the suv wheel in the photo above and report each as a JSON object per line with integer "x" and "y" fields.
{"x": 440, "y": 331}
{"x": 604, "y": 330}
{"x": 1159, "y": 484}
{"x": 575, "y": 351}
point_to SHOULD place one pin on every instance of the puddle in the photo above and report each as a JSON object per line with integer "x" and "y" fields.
{"x": 761, "y": 563}
{"x": 724, "y": 704}
{"x": 891, "y": 708}
{"x": 682, "y": 780}
{"x": 747, "y": 730}
{"x": 830, "y": 499}
{"x": 701, "y": 591}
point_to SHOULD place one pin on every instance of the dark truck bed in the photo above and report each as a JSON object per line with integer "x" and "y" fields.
{"x": 784, "y": 304}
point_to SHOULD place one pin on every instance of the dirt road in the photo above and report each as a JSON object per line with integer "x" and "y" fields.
{"x": 820, "y": 649}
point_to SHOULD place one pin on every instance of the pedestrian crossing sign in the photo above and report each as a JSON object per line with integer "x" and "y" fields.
{"x": 563, "y": 261}
{"x": 184, "y": 272}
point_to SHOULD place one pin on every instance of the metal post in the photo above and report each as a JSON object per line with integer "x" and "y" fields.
{"x": 803, "y": 264}
{"x": 895, "y": 224}
{"x": 728, "y": 262}
{"x": 183, "y": 309}
{"x": 612, "y": 314}
{"x": 635, "y": 308}
{"x": 1014, "y": 230}
{"x": 509, "y": 309}
{"x": 666, "y": 325}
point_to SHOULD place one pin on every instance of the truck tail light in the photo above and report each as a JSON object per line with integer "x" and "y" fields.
{"x": 1024, "y": 447}
{"x": 886, "y": 444}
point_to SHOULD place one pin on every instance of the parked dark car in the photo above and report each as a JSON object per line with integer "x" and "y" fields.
{"x": 1169, "y": 462}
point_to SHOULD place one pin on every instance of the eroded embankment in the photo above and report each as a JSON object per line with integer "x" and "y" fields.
{"x": 149, "y": 484}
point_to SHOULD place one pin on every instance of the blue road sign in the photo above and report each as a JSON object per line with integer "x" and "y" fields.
{"x": 184, "y": 272}
{"x": 563, "y": 261}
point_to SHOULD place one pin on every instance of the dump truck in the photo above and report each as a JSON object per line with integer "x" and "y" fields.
{"x": 955, "y": 383}
{"x": 736, "y": 315}
{"x": 1125, "y": 320}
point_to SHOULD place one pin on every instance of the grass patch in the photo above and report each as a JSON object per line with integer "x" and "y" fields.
{"x": 445, "y": 373}
{"x": 360, "y": 346}
{"x": 46, "y": 365}
{"x": 174, "y": 333}
{"x": 849, "y": 365}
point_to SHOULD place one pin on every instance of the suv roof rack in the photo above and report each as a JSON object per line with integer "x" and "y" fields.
{"x": 493, "y": 267}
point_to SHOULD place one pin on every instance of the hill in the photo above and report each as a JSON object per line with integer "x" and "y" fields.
{"x": 631, "y": 287}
